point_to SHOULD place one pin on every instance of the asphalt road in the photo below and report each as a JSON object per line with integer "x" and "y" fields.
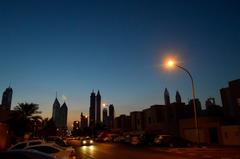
{"x": 118, "y": 151}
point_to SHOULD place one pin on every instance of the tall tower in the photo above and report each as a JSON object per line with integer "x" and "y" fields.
{"x": 111, "y": 115}
{"x": 105, "y": 116}
{"x": 7, "y": 98}
{"x": 63, "y": 115}
{"x": 83, "y": 121}
{"x": 55, "y": 112}
{"x": 92, "y": 109}
{"x": 178, "y": 97}
{"x": 166, "y": 97}
{"x": 98, "y": 107}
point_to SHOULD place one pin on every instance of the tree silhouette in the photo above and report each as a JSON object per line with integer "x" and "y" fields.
{"x": 48, "y": 128}
{"x": 28, "y": 111}
{"x": 25, "y": 119}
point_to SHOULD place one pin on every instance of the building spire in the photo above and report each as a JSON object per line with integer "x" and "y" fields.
{"x": 178, "y": 97}
{"x": 166, "y": 97}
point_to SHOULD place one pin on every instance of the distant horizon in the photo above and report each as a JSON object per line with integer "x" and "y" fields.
{"x": 63, "y": 99}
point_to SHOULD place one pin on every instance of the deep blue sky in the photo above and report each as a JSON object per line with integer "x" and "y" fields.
{"x": 73, "y": 47}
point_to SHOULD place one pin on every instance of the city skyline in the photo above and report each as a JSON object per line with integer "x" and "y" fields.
{"x": 168, "y": 99}
{"x": 116, "y": 47}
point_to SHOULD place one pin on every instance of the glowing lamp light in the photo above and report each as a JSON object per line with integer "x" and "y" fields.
{"x": 170, "y": 63}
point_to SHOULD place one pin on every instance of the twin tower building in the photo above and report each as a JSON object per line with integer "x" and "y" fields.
{"x": 95, "y": 109}
{"x": 59, "y": 114}
{"x": 95, "y": 112}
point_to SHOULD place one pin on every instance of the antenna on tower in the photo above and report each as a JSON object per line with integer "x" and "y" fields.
{"x": 56, "y": 94}
{"x": 10, "y": 84}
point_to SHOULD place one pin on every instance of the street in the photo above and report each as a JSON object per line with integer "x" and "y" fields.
{"x": 118, "y": 151}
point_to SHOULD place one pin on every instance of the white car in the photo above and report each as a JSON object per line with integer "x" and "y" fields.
{"x": 24, "y": 144}
{"x": 55, "y": 150}
{"x": 24, "y": 154}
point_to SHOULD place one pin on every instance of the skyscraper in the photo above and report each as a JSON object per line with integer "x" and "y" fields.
{"x": 105, "y": 116}
{"x": 83, "y": 121}
{"x": 166, "y": 97}
{"x": 55, "y": 112}
{"x": 63, "y": 116}
{"x": 92, "y": 109}
{"x": 59, "y": 114}
{"x": 111, "y": 115}
{"x": 178, "y": 97}
{"x": 98, "y": 107}
{"x": 7, "y": 98}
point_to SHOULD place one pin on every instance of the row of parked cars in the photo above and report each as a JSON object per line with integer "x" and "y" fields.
{"x": 158, "y": 140}
{"x": 50, "y": 148}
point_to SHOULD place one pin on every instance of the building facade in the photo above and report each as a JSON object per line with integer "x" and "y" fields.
{"x": 60, "y": 114}
{"x": 231, "y": 100}
{"x": 137, "y": 120}
{"x": 166, "y": 97}
{"x": 98, "y": 108}
{"x": 92, "y": 110}
{"x": 111, "y": 116}
{"x": 95, "y": 109}
{"x": 7, "y": 99}
{"x": 83, "y": 121}
{"x": 105, "y": 116}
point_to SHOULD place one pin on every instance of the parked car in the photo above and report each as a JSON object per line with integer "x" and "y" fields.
{"x": 119, "y": 139}
{"x": 172, "y": 141}
{"x": 73, "y": 141}
{"x": 54, "y": 150}
{"x": 24, "y": 144}
{"x": 57, "y": 140}
{"x": 135, "y": 140}
{"x": 24, "y": 154}
{"x": 87, "y": 141}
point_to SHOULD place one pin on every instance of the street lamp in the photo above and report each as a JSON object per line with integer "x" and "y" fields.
{"x": 172, "y": 63}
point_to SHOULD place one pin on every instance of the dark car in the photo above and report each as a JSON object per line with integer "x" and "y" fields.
{"x": 172, "y": 141}
{"x": 55, "y": 139}
{"x": 87, "y": 141}
{"x": 24, "y": 154}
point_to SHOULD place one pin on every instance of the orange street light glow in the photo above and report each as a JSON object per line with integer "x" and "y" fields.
{"x": 170, "y": 63}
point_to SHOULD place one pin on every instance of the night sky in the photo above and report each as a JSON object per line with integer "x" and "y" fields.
{"x": 117, "y": 47}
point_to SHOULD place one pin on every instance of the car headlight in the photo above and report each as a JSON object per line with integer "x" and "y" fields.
{"x": 91, "y": 141}
{"x": 84, "y": 142}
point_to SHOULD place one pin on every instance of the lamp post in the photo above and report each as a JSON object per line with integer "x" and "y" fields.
{"x": 172, "y": 63}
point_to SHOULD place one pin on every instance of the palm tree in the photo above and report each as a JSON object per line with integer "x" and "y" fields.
{"x": 28, "y": 111}
{"x": 25, "y": 119}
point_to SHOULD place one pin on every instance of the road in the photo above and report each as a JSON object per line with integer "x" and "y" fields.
{"x": 118, "y": 151}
